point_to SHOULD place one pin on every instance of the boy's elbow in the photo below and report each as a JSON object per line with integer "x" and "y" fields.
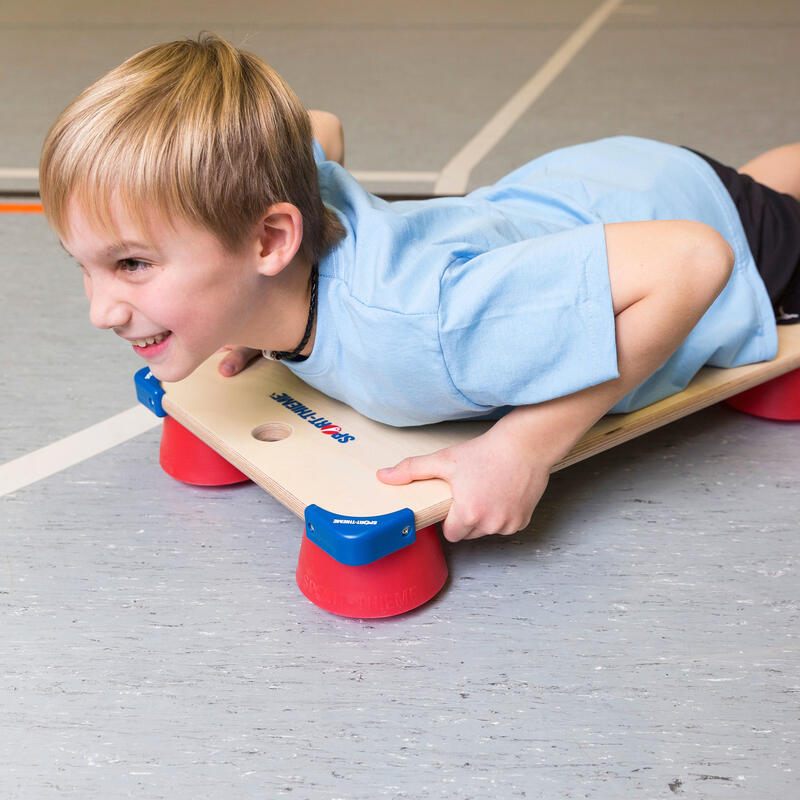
{"x": 329, "y": 132}
{"x": 337, "y": 135}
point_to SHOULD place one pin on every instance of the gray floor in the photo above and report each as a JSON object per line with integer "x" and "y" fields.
{"x": 638, "y": 641}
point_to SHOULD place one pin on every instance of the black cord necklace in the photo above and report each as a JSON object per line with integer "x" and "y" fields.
{"x": 294, "y": 355}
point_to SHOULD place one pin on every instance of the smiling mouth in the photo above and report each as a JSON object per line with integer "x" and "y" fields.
{"x": 150, "y": 340}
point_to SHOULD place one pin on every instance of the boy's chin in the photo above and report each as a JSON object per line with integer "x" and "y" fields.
{"x": 170, "y": 374}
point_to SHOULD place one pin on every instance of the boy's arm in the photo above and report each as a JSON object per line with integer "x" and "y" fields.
{"x": 664, "y": 275}
{"x": 327, "y": 130}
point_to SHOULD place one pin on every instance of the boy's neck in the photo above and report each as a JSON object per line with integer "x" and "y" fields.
{"x": 310, "y": 313}
{"x": 287, "y": 310}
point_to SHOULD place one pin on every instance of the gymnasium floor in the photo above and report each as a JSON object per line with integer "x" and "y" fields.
{"x": 638, "y": 641}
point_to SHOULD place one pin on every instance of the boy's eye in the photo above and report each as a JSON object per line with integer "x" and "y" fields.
{"x": 132, "y": 265}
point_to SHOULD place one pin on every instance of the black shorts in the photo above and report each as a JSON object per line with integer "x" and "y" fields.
{"x": 771, "y": 221}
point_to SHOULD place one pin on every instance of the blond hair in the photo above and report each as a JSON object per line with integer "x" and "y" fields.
{"x": 193, "y": 128}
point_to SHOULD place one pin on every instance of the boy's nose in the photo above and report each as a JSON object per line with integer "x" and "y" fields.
{"x": 106, "y": 310}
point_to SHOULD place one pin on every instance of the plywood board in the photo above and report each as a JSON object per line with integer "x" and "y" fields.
{"x": 311, "y": 466}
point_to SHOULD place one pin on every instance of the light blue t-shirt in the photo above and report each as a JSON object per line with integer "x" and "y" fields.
{"x": 463, "y": 307}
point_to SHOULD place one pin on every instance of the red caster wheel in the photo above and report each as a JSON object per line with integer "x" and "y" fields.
{"x": 390, "y": 584}
{"x": 776, "y": 399}
{"x": 188, "y": 459}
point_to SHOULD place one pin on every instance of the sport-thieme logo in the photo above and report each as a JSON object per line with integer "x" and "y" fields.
{"x": 309, "y": 415}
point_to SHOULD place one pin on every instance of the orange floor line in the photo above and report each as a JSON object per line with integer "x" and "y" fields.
{"x": 21, "y": 208}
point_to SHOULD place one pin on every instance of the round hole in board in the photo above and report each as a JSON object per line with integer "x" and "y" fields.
{"x": 271, "y": 432}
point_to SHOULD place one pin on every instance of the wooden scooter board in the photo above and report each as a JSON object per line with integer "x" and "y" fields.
{"x": 311, "y": 466}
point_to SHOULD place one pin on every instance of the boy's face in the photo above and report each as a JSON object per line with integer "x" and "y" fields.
{"x": 176, "y": 295}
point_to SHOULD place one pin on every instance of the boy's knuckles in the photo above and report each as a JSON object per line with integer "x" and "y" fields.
{"x": 445, "y": 458}
{"x": 522, "y": 522}
{"x": 454, "y": 532}
{"x": 408, "y": 465}
{"x": 470, "y": 517}
{"x": 491, "y": 525}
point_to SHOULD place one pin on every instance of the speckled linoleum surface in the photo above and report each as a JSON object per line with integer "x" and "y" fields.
{"x": 640, "y": 640}
{"x": 641, "y": 634}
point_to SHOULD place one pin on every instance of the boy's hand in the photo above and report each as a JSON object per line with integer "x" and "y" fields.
{"x": 236, "y": 360}
{"x": 496, "y": 484}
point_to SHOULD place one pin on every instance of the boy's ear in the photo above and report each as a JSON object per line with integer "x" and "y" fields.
{"x": 280, "y": 234}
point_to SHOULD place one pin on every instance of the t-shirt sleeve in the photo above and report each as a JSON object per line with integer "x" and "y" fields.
{"x": 319, "y": 153}
{"x": 530, "y": 321}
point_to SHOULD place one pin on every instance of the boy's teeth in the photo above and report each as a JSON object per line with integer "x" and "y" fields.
{"x": 150, "y": 340}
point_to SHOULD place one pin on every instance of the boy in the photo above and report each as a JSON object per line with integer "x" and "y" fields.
{"x": 600, "y": 277}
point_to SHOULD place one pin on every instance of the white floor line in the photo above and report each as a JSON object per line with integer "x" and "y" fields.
{"x": 399, "y": 176}
{"x": 365, "y": 176}
{"x": 454, "y": 178}
{"x": 19, "y": 174}
{"x": 95, "y": 439}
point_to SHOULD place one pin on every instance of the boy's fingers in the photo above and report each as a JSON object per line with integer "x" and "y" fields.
{"x": 418, "y": 468}
{"x": 237, "y": 359}
{"x": 454, "y": 528}
{"x": 229, "y": 366}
